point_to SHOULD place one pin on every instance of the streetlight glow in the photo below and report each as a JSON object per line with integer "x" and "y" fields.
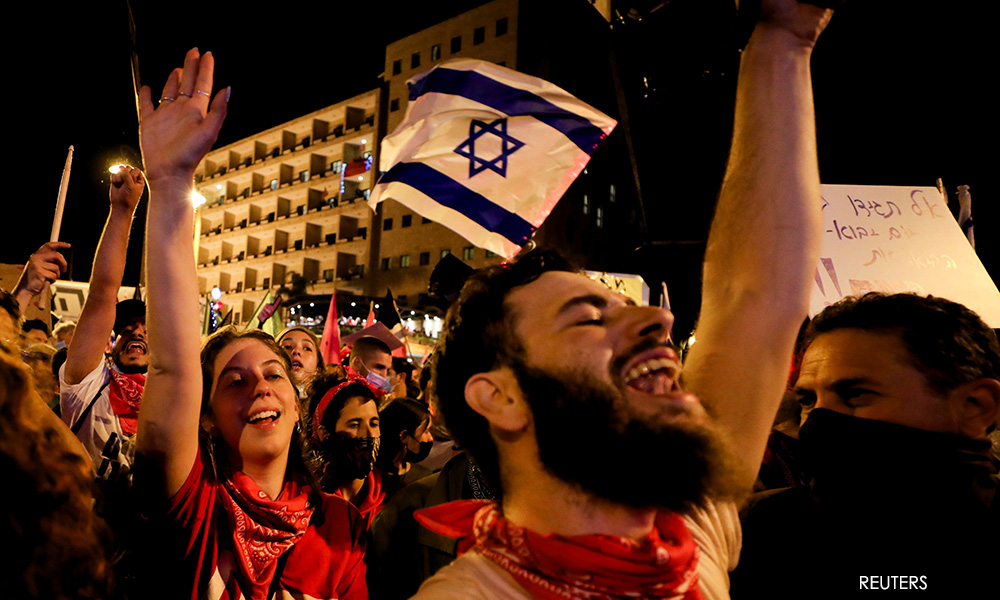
{"x": 197, "y": 199}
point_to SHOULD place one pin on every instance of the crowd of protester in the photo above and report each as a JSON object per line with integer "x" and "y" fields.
{"x": 551, "y": 447}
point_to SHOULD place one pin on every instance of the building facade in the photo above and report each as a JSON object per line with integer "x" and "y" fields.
{"x": 287, "y": 207}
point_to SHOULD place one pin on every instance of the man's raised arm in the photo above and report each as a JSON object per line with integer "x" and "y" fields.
{"x": 98, "y": 315}
{"x": 764, "y": 241}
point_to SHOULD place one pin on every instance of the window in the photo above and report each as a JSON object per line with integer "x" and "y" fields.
{"x": 303, "y": 176}
{"x": 491, "y": 254}
{"x": 600, "y": 217}
{"x": 467, "y": 253}
{"x": 407, "y": 221}
{"x": 445, "y": 253}
{"x": 335, "y": 166}
{"x": 611, "y": 193}
{"x": 586, "y": 205}
{"x": 404, "y": 261}
{"x": 397, "y": 67}
{"x": 327, "y": 274}
{"x": 425, "y": 258}
{"x": 414, "y": 60}
{"x": 394, "y": 105}
{"x": 387, "y": 225}
{"x": 478, "y": 36}
{"x": 274, "y": 184}
{"x": 424, "y": 221}
{"x": 385, "y": 264}
{"x": 436, "y": 52}
{"x": 502, "y": 26}
{"x": 456, "y": 44}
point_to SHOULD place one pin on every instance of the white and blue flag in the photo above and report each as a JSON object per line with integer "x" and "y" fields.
{"x": 487, "y": 151}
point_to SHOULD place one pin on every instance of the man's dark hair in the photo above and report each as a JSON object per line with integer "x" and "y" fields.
{"x": 32, "y": 324}
{"x": 9, "y": 304}
{"x": 948, "y": 342}
{"x": 478, "y": 336}
{"x": 401, "y": 365}
{"x": 368, "y": 344}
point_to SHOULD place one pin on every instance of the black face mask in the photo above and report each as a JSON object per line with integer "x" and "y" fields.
{"x": 349, "y": 458}
{"x": 415, "y": 457}
{"x": 856, "y": 459}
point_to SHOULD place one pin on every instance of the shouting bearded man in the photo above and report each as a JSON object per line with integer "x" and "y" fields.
{"x": 612, "y": 468}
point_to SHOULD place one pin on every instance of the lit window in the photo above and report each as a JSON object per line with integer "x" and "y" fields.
{"x": 478, "y": 36}
{"x": 414, "y": 60}
{"x": 502, "y": 26}
{"x": 397, "y": 67}
{"x": 611, "y": 193}
{"x": 335, "y": 166}
{"x": 586, "y": 205}
{"x": 600, "y": 217}
{"x": 303, "y": 176}
{"x": 404, "y": 261}
{"x": 456, "y": 44}
{"x": 274, "y": 184}
{"x": 491, "y": 254}
{"x": 445, "y": 253}
{"x": 436, "y": 52}
{"x": 467, "y": 253}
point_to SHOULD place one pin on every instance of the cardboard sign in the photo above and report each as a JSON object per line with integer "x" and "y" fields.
{"x": 898, "y": 239}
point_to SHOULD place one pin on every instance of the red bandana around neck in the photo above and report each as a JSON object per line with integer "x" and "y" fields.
{"x": 125, "y": 392}
{"x": 374, "y": 499}
{"x": 662, "y": 565}
{"x": 264, "y": 529}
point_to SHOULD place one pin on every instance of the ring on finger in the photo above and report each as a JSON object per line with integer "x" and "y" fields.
{"x": 166, "y": 99}
{"x": 188, "y": 94}
{"x": 203, "y": 92}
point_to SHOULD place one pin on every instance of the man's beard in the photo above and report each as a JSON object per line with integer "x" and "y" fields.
{"x": 128, "y": 369}
{"x": 588, "y": 436}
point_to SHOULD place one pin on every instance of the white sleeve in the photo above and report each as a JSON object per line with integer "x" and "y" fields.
{"x": 73, "y": 399}
{"x": 716, "y": 530}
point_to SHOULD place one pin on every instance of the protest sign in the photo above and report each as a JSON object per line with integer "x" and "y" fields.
{"x": 898, "y": 239}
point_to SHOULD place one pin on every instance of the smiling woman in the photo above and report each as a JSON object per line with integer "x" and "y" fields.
{"x": 234, "y": 508}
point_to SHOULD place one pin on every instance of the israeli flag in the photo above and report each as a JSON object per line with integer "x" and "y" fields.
{"x": 487, "y": 151}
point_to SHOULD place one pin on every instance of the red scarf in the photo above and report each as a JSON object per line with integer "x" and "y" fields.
{"x": 264, "y": 529}
{"x": 662, "y": 565}
{"x": 374, "y": 499}
{"x": 125, "y": 392}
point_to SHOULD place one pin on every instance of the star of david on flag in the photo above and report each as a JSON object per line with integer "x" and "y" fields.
{"x": 487, "y": 151}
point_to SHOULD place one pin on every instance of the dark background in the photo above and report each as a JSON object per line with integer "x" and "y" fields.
{"x": 901, "y": 96}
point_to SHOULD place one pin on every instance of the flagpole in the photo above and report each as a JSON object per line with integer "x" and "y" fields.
{"x": 61, "y": 199}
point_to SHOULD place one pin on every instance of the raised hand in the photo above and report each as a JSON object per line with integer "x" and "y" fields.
{"x": 176, "y": 135}
{"x": 804, "y": 20}
{"x": 126, "y": 188}
{"x": 44, "y": 266}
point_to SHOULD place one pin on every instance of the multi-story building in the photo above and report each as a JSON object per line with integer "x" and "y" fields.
{"x": 562, "y": 41}
{"x": 290, "y": 201}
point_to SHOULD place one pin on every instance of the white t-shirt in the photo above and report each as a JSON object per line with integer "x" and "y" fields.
{"x": 111, "y": 449}
{"x": 715, "y": 529}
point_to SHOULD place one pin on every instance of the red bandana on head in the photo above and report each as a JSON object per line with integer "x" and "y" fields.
{"x": 662, "y": 565}
{"x": 124, "y": 393}
{"x": 264, "y": 529}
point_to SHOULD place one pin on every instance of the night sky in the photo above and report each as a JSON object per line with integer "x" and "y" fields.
{"x": 901, "y": 93}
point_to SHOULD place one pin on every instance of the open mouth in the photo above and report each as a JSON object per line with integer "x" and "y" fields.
{"x": 135, "y": 346}
{"x": 653, "y": 373}
{"x": 263, "y": 417}
{"x": 297, "y": 364}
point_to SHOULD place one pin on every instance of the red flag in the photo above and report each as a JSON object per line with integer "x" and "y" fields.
{"x": 371, "y": 314}
{"x": 329, "y": 346}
